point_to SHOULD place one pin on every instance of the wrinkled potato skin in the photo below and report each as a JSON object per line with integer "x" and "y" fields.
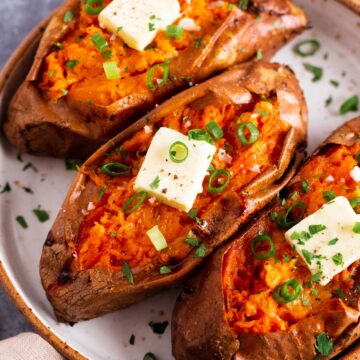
{"x": 83, "y": 295}
{"x": 72, "y": 129}
{"x": 199, "y": 330}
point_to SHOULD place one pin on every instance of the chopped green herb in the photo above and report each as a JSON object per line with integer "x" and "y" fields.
{"x": 198, "y": 43}
{"x": 324, "y": 344}
{"x": 6, "y": 188}
{"x": 316, "y": 71}
{"x": 328, "y": 101}
{"x": 333, "y": 241}
{"x": 152, "y": 27}
{"x": 127, "y": 272}
{"x": 70, "y": 64}
{"x": 316, "y": 277}
{"x": 294, "y": 195}
{"x": 354, "y": 202}
{"x": 101, "y": 193}
{"x": 286, "y": 257}
{"x": 328, "y": 195}
{"x": 132, "y": 339}
{"x": 165, "y": 270}
{"x": 155, "y": 184}
{"x": 305, "y": 186}
{"x": 314, "y": 292}
{"x": 68, "y": 16}
{"x": 94, "y": 7}
{"x": 22, "y": 222}
{"x": 259, "y": 55}
{"x": 243, "y": 4}
{"x": 309, "y": 256}
{"x": 276, "y": 24}
{"x": 192, "y": 214}
{"x": 64, "y": 92}
{"x": 314, "y": 229}
{"x": 57, "y": 46}
{"x": 262, "y": 112}
{"x": 274, "y": 215}
{"x": 27, "y": 190}
{"x": 158, "y": 327}
{"x": 334, "y": 83}
{"x": 51, "y": 73}
{"x": 73, "y": 164}
{"x": 192, "y": 241}
{"x": 42, "y": 215}
{"x": 340, "y": 293}
{"x": 338, "y": 259}
{"x": 31, "y": 166}
{"x": 351, "y": 104}
{"x": 356, "y": 228}
{"x": 200, "y": 251}
{"x": 107, "y": 54}
{"x": 305, "y": 301}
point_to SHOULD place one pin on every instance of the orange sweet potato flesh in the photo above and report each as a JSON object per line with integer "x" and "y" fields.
{"x": 65, "y": 112}
{"x": 83, "y": 257}
{"x": 227, "y": 310}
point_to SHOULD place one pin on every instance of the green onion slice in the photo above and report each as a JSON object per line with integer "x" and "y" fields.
{"x": 252, "y": 129}
{"x": 127, "y": 272}
{"x": 165, "y": 270}
{"x": 115, "y": 169}
{"x": 174, "y": 32}
{"x": 283, "y": 295}
{"x": 111, "y": 70}
{"x": 68, "y": 16}
{"x": 94, "y": 7}
{"x": 263, "y": 239}
{"x": 307, "y": 47}
{"x": 287, "y": 221}
{"x": 157, "y": 238}
{"x": 200, "y": 135}
{"x": 178, "y": 152}
{"x": 214, "y": 176}
{"x": 214, "y": 130}
{"x": 99, "y": 42}
{"x": 161, "y": 82}
{"x": 140, "y": 197}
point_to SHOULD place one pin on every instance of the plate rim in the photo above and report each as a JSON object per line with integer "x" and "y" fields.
{"x": 45, "y": 332}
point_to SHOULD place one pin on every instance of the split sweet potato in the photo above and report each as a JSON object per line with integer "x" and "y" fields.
{"x": 66, "y": 107}
{"x": 228, "y": 310}
{"x": 97, "y": 257}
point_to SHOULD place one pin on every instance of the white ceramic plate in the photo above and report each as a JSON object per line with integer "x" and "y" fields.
{"x": 337, "y": 29}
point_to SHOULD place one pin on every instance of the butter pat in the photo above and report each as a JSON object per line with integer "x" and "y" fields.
{"x": 325, "y": 239}
{"x": 174, "y": 184}
{"x": 138, "y": 22}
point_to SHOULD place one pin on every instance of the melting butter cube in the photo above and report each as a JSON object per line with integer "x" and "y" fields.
{"x": 326, "y": 240}
{"x": 174, "y": 183}
{"x": 138, "y": 22}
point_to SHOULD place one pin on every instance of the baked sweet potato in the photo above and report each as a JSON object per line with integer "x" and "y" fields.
{"x": 229, "y": 310}
{"x": 66, "y": 107}
{"x": 98, "y": 258}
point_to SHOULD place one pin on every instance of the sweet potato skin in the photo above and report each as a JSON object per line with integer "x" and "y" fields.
{"x": 200, "y": 331}
{"x": 72, "y": 129}
{"x": 83, "y": 295}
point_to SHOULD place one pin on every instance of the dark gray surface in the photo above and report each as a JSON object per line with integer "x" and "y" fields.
{"x": 17, "y": 18}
